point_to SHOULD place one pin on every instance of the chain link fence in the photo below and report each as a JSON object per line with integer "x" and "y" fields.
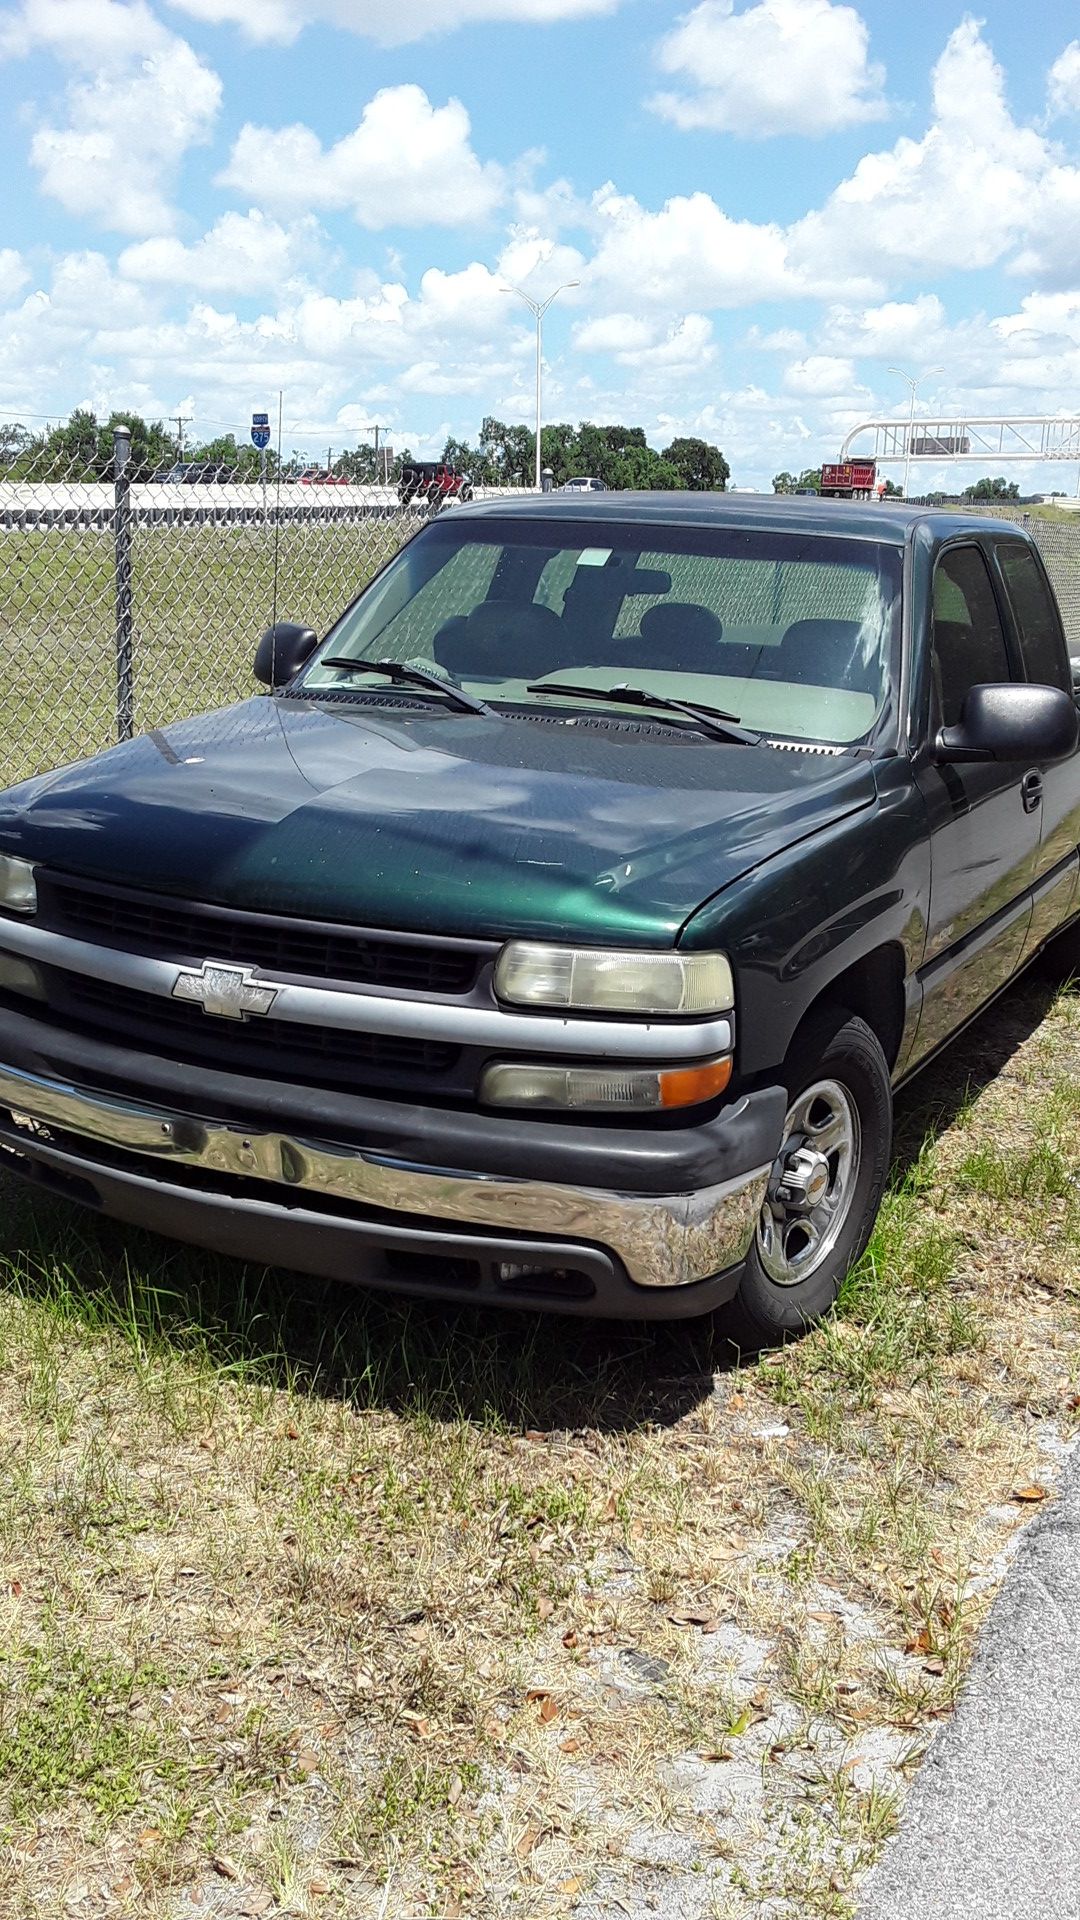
{"x": 129, "y": 602}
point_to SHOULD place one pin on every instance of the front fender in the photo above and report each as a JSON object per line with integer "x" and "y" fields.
{"x": 797, "y": 922}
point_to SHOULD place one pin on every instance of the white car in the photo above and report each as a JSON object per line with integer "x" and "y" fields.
{"x": 584, "y": 483}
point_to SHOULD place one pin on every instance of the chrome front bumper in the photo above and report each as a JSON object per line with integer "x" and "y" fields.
{"x": 663, "y": 1241}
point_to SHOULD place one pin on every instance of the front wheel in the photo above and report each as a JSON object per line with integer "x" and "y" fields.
{"x": 826, "y": 1183}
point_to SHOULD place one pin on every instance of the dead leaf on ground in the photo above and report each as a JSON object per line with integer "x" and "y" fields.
{"x": 1030, "y": 1493}
{"x": 921, "y": 1642}
{"x": 227, "y": 1868}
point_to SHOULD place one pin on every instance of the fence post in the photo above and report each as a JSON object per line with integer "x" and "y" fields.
{"x": 125, "y": 682}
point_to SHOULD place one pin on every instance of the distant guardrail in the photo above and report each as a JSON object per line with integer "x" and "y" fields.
{"x": 45, "y": 503}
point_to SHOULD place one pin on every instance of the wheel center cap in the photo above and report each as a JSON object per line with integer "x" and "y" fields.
{"x": 804, "y": 1179}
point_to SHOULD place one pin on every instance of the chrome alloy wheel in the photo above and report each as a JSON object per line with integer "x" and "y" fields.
{"x": 811, "y": 1185}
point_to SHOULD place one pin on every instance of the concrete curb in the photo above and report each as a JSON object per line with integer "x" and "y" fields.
{"x": 992, "y": 1828}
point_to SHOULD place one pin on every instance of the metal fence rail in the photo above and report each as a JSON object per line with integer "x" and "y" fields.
{"x": 126, "y": 604}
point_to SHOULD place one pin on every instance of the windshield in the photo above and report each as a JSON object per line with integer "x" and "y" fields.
{"x": 794, "y": 633}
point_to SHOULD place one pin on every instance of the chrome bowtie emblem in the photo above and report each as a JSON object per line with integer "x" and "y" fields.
{"x": 230, "y": 993}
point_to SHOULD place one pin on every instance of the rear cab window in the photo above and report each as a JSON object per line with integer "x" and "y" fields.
{"x": 1035, "y": 615}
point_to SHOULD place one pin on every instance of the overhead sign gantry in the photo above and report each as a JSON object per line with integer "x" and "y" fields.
{"x": 970, "y": 437}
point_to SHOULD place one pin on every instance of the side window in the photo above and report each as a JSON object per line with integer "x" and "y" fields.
{"x": 968, "y": 644}
{"x": 1041, "y": 640}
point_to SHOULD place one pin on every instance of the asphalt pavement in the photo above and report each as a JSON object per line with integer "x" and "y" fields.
{"x": 991, "y": 1830}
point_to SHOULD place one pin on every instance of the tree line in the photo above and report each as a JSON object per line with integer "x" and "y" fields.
{"x": 505, "y": 456}
{"x": 81, "y": 448}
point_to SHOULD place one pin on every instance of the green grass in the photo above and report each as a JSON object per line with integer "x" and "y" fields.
{"x": 201, "y": 598}
{"x": 69, "y": 1734}
{"x": 345, "y": 1590}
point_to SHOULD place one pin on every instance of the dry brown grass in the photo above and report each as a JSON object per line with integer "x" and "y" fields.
{"x": 319, "y": 1604}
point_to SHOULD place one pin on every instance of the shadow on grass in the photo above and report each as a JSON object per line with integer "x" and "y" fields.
{"x": 499, "y": 1369}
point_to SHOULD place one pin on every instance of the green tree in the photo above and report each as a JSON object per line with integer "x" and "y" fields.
{"x": 701, "y": 467}
{"x": 14, "y": 440}
{"x": 242, "y": 459}
{"x": 82, "y": 448}
{"x": 987, "y": 489}
{"x": 507, "y": 451}
{"x": 784, "y": 482}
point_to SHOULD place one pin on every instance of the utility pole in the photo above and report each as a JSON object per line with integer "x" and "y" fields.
{"x": 376, "y": 431}
{"x": 182, "y": 420}
{"x": 913, "y": 384}
{"x": 538, "y": 308}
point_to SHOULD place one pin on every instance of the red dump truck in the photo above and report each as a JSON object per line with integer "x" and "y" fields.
{"x": 849, "y": 479}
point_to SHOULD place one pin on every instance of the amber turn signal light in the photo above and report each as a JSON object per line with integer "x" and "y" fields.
{"x": 689, "y": 1086}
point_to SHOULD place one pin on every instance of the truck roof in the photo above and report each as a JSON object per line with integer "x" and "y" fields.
{"x": 796, "y": 513}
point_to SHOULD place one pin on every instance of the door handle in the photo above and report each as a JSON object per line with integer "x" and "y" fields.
{"x": 1031, "y": 791}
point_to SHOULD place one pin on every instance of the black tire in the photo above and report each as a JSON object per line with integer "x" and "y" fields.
{"x": 1061, "y": 955}
{"x": 838, "y": 1050}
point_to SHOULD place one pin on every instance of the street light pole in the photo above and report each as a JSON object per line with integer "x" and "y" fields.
{"x": 538, "y": 308}
{"x": 913, "y": 384}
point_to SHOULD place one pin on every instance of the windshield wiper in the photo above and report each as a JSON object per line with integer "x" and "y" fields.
{"x": 723, "y": 726}
{"x": 413, "y": 677}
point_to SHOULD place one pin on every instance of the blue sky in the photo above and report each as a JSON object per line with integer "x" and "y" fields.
{"x": 767, "y": 203}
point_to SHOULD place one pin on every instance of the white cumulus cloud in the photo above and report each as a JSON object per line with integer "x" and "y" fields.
{"x": 407, "y": 163}
{"x": 687, "y": 254}
{"x": 13, "y": 273}
{"x": 782, "y": 66}
{"x": 821, "y": 376}
{"x": 963, "y": 197}
{"x": 242, "y": 253}
{"x": 386, "y": 21}
{"x": 1063, "y": 81}
{"x": 138, "y": 98}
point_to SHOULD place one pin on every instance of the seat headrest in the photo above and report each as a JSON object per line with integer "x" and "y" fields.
{"x": 687, "y": 636}
{"x": 502, "y": 637}
{"x": 825, "y": 653}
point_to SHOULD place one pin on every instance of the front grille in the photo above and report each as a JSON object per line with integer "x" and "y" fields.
{"x": 278, "y": 1050}
{"x": 184, "y": 930}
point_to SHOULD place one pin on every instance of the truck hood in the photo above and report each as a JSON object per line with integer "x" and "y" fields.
{"x": 384, "y": 816}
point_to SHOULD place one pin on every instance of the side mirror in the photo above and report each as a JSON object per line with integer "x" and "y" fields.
{"x": 1012, "y": 721}
{"x": 282, "y": 652}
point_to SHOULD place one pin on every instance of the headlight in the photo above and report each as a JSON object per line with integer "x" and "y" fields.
{"x": 18, "y": 888}
{"x": 604, "y": 981}
{"x": 635, "y": 1089}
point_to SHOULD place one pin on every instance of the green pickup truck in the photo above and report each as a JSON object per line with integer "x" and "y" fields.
{"x": 558, "y": 929}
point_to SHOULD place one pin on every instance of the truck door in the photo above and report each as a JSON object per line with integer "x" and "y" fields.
{"x": 984, "y": 833}
{"x": 1041, "y": 642}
